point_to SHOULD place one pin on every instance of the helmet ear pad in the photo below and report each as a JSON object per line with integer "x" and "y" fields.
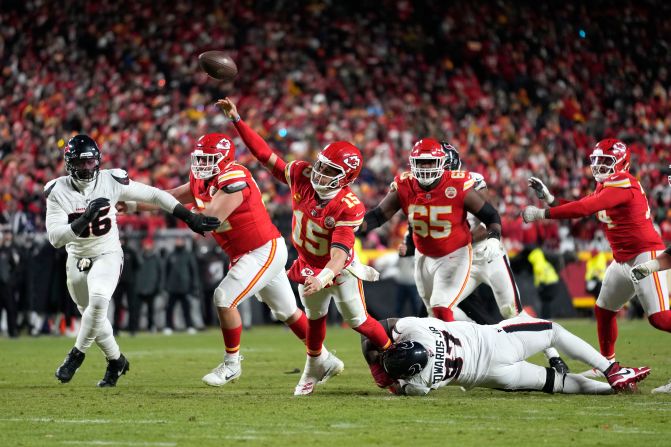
{"x": 404, "y": 360}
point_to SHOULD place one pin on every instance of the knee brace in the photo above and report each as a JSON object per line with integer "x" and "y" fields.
{"x": 219, "y": 297}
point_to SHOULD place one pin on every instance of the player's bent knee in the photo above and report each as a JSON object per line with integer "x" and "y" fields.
{"x": 219, "y": 298}
{"x": 355, "y": 321}
{"x": 283, "y": 314}
{"x": 661, "y": 320}
{"x": 508, "y": 311}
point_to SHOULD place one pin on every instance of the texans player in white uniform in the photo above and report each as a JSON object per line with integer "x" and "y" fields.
{"x": 81, "y": 215}
{"x": 429, "y": 353}
{"x": 495, "y": 273}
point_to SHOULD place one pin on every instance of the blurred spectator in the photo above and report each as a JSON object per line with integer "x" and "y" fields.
{"x": 595, "y": 271}
{"x": 181, "y": 281}
{"x": 213, "y": 266}
{"x": 126, "y": 289}
{"x": 9, "y": 264}
{"x": 149, "y": 281}
{"x": 526, "y": 91}
{"x": 546, "y": 280}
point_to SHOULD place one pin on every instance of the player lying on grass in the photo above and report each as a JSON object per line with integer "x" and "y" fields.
{"x": 429, "y": 353}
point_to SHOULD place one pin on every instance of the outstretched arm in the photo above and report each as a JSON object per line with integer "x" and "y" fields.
{"x": 257, "y": 145}
{"x": 605, "y": 199}
{"x": 645, "y": 269}
{"x": 483, "y": 210}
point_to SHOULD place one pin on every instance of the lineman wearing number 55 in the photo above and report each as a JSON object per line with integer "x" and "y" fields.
{"x": 81, "y": 216}
{"x": 620, "y": 203}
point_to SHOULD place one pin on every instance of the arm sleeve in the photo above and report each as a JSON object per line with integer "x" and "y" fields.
{"x": 343, "y": 237}
{"x": 260, "y": 149}
{"x": 140, "y": 192}
{"x": 605, "y": 199}
{"x": 58, "y": 229}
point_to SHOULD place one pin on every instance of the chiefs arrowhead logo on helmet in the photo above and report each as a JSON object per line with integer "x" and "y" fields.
{"x": 427, "y": 160}
{"x": 609, "y": 157}
{"x": 337, "y": 166}
{"x": 211, "y": 154}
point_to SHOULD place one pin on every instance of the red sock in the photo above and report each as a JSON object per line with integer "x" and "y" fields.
{"x": 316, "y": 333}
{"x": 443, "y": 313}
{"x": 606, "y": 329}
{"x": 661, "y": 320}
{"x": 373, "y": 330}
{"x": 300, "y": 327}
{"x": 232, "y": 339}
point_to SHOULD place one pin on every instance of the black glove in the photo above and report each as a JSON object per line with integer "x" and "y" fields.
{"x": 199, "y": 223}
{"x": 90, "y": 214}
{"x": 409, "y": 244}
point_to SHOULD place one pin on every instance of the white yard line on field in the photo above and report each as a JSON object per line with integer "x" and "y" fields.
{"x": 130, "y": 443}
{"x": 86, "y": 421}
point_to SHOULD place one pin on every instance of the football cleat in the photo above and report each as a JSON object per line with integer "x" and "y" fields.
{"x": 662, "y": 389}
{"x": 317, "y": 371}
{"x": 115, "y": 369}
{"x": 558, "y": 364}
{"x": 227, "y": 371}
{"x": 70, "y": 365}
{"x": 621, "y": 378}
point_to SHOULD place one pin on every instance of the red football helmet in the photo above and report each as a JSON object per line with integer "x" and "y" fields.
{"x": 427, "y": 160}
{"x": 337, "y": 166}
{"x": 212, "y": 153}
{"x": 608, "y": 157}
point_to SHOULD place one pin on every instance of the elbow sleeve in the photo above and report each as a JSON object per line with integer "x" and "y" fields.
{"x": 488, "y": 215}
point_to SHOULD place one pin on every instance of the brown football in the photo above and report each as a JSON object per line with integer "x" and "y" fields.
{"x": 218, "y": 65}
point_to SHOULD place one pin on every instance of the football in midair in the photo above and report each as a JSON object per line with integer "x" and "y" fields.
{"x": 218, "y": 65}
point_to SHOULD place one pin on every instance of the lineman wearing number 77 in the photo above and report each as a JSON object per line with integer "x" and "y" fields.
{"x": 620, "y": 203}
{"x": 81, "y": 215}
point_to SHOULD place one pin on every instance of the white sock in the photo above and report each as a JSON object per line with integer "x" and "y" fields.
{"x": 93, "y": 322}
{"x": 551, "y": 353}
{"x": 234, "y": 357}
{"x": 576, "y": 384}
{"x": 577, "y": 348}
{"x": 107, "y": 343}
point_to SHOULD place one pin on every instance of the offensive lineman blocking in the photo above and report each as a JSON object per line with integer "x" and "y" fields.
{"x": 81, "y": 215}
{"x": 258, "y": 253}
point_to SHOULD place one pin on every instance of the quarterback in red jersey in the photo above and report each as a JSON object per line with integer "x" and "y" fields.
{"x": 257, "y": 251}
{"x": 620, "y": 203}
{"x": 436, "y": 202}
{"x": 325, "y": 215}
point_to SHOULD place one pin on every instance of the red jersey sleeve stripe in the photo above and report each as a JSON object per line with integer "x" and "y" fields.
{"x": 287, "y": 172}
{"x": 231, "y": 175}
{"x": 626, "y": 183}
{"x": 349, "y": 223}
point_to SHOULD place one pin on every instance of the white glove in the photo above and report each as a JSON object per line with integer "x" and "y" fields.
{"x": 640, "y": 271}
{"x": 532, "y": 213}
{"x": 542, "y": 191}
{"x": 493, "y": 249}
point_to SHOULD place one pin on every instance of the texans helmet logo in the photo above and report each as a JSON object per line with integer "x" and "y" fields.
{"x": 353, "y": 161}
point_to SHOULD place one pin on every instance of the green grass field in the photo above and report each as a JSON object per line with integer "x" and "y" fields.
{"x": 162, "y": 402}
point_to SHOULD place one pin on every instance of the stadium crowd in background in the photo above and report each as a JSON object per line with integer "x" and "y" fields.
{"x": 520, "y": 88}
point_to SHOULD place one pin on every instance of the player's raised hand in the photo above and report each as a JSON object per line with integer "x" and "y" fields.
{"x": 228, "y": 107}
{"x": 643, "y": 270}
{"x": 542, "y": 191}
{"x": 532, "y": 214}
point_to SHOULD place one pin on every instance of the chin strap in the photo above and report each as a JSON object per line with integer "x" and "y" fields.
{"x": 329, "y": 195}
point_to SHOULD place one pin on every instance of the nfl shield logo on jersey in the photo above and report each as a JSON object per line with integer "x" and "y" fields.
{"x": 329, "y": 222}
